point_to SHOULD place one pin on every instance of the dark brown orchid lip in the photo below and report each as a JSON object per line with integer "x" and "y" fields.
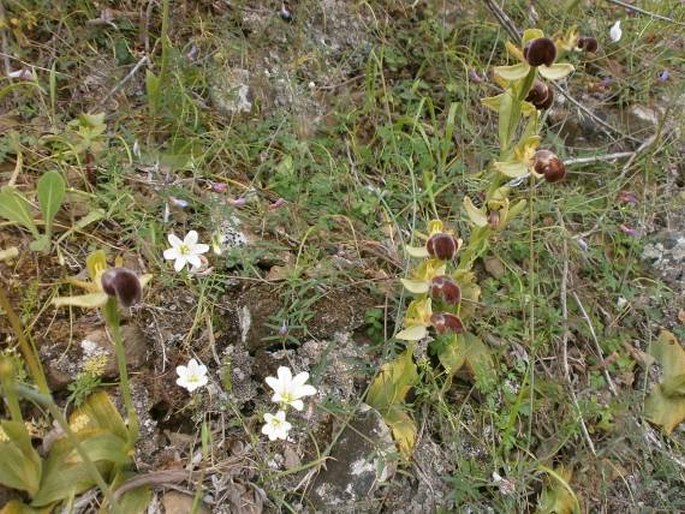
{"x": 549, "y": 165}
{"x": 444, "y": 322}
{"x": 442, "y": 246}
{"x": 540, "y": 95}
{"x": 123, "y": 284}
{"x": 444, "y": 288}
{"x": 540, "y": 51}
{"x": 587, "y": 43}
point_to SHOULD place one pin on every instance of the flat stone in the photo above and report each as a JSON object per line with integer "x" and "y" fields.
{"x": 363, "y": 457}
{"x": 175, "y": 502}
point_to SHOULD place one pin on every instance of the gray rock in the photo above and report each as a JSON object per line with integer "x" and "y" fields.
{"x": 362, "y": 458}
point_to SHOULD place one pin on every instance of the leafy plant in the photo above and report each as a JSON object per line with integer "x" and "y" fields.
{"x": 15, "y": 207}
{"x": 665, "y": 405}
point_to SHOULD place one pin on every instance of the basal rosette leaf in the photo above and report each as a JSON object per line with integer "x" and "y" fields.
{"x": 665, "y": 405}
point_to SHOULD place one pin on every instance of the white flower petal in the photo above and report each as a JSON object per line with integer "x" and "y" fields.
{"x": 284, "y": 375}
{"x": 615, "y": 33}
{"x": 171, "y": 253}
{"x": 300, "y": 378}
{"x": 191, "y": 238}
{"x": 201, "y": 248}
{"x": 194, "y": 261}
{"x": 174, "y": 240}
{"x": 273, "y": 383}
{"x": 297, "y": 404}
{"x": 180, "y": 263}
{"x": 307, "y": 390}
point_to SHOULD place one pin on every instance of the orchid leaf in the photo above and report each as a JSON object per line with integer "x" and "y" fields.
{"x": 393, "y": 382}
{"x": 20, "y": 465}
{"x": 403, "y": 429}
{"x": 15, "y": 208}
{"x": 665, "y": 405}
{"x": 50, "y": 191}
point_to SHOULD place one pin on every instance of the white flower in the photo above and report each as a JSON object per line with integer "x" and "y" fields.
{"x": 22, "y": 74}
{"x": 192, "y": 376}
{"x": 288, "y": 389}
{"x": 615, "y": 32}
{"x": 276, "y": 426}
{"x": 185, "y": 252}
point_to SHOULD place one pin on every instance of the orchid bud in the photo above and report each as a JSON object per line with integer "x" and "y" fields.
{"x": 444, "y": 288}
{"x": 442, "y": 246}
{"x": 122, "y": 283}
{"x": 446, "y": 322}
{"x": 587, "y": 43}
{"x": 540, "y": 51}
{"x": 494, "y": 219}
{"x": 549, "y": 165}
{"x": 540, "y": 95}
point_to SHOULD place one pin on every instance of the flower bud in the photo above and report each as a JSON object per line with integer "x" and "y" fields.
{"x": 540, "y": 95}
{"x": 587, "y": 43}
{"x": 549, "y": 165}
{"x": 122, "y": 283}
{"x": 494, "y": 219}
{"x": 442, "y": 246}
{"x": 446, "y": 322}
{"x": 540, "y": 51}
{"x": 444, "y": 288}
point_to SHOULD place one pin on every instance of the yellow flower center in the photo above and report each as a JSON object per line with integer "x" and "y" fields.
{"x": 183, "y": 249}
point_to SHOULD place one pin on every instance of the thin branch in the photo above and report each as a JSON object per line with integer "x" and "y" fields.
{"x": 642, "y": 11}
{"x": 599, "y": 158}
{"x": 123, "y": 81}
{"x": 588, "y": 321}
{"x": 564, "y": 341}
{"x": 504, "y": 19}
{"x": 3, "y": 40}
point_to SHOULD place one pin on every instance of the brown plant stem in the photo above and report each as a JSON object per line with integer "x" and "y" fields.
{"x": 28, "y": 350}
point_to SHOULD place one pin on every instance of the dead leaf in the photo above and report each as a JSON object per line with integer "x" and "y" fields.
{"x": 665, "y": 405}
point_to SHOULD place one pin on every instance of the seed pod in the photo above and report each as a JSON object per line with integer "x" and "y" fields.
{"x": 540, "y": 51}
{"x": 540, "y": 95}
{"x": 587, "y": 43}
{"x": 444, "y": 288}
{"x": 446, "y": 322}
{"x": 549, "y": 165}
{"x": 122, "y": 283}
{"x": 442, "y": 246}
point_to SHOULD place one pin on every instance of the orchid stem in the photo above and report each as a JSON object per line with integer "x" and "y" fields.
{"x": 111, "y": 315}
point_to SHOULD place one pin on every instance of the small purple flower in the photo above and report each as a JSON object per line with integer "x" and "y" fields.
{"x": 236, "y": 202}
{"x": 219, "y": 187}
{"x": 629, "y": 231}
{"x": 473, "y": 75}
{"x": 192, "y": 53}
{"x": 283, "y": 329}
{"x": 663, "y": 76}
{"x": 628, "y": 197}
{"x": 277, "y": 204}
{"x": 607, "y": 81}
